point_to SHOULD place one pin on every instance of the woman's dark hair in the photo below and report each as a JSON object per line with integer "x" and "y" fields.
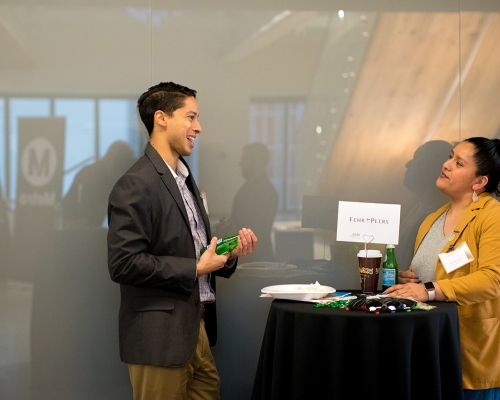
{"x": 166, "y": 96}
{"x": 487, "y": 160}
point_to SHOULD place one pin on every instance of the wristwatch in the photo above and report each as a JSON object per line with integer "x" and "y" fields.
{"x": 431, "y": 290}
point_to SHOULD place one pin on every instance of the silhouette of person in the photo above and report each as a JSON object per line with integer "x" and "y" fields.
{"x": 85, "y": 204}
{"x": 256, "y": 202}
{"x": 420, "y": 178}
{"x": 69, "y": 265}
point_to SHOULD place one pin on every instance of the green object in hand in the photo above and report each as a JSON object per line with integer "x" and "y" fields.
{"x": 224, "y": 245}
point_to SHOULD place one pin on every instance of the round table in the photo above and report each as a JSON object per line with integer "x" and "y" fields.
{"x": 309, "y": 352}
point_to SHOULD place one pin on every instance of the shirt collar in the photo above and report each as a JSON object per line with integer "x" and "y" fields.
{"x": 180, "y": 167}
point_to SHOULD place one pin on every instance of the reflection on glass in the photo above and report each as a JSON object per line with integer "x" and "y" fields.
{"x": 117, "y": 121}
{"x": 85, "y": 204}
{"x": 420, "y": 178}
{"x": 19, "y": 108}
{"x": 80, "y": 135}
{"x": 256, "y": 202}
{"x": 379, "y": 83}
{"x": 3, "y": 166}
{"x": 275, "y": 123}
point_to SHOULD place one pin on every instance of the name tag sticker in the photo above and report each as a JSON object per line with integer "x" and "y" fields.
{"x": 457, "y": 258}
{"x": 204, "y": 198}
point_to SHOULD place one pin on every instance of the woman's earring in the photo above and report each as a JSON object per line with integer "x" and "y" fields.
{"x": 474, "y": 197}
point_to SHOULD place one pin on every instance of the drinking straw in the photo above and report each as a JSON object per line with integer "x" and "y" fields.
{"x": 366, "y": 244}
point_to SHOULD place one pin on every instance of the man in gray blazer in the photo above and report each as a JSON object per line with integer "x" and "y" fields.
{"x": 157, "y": 226}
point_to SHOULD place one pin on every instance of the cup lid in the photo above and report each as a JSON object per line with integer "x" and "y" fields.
{"x": 369, "y": 253}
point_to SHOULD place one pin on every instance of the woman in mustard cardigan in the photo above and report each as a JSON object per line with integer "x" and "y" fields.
{"x": 469, "y": 177}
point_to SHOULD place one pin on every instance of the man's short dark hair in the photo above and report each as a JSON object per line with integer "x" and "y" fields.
{"x": 166, "y": 96}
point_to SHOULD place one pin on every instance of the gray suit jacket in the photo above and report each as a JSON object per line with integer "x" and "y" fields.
{"x": 151, "y": 254}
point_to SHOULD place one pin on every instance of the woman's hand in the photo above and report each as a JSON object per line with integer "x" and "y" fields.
{"x": 414, "y": 290}
{"x": 408, "y": 277}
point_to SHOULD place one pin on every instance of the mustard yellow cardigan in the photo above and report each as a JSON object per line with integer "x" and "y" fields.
{"x": 475, "y": 287}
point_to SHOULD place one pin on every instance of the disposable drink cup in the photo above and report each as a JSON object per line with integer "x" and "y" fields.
{"x": 369, "y": 264}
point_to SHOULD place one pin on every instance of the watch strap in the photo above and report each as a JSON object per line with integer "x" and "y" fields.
{"x": 431, "y": 290}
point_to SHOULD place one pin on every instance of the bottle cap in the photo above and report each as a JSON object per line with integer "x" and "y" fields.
{"x": 390, "y": 246}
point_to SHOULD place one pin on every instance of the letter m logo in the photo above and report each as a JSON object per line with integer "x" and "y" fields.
{"x": 39, "y": 162}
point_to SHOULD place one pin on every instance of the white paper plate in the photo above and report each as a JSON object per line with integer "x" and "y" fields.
{"x": 298, "y": 292}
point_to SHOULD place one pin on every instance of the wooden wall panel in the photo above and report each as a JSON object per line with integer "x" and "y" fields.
{"x": 409, "y": 92}
{"x": 480, "y": 109}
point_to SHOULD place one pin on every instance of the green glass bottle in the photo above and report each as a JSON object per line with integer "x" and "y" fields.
{"x": 389, "y": 268}
{"x": 224, "y": 245}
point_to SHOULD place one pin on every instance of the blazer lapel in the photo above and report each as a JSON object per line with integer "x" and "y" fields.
{"x": 199, "y": 201}
{"x": 467, "y": 217}
{"x": 167, "y": 178}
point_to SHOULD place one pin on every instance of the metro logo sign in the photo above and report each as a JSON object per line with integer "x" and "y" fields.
{"x": 39, "y": 162}
{"x": 39, "y": 173}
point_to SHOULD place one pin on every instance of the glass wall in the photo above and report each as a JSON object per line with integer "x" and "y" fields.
{"x": 351, "y": 101}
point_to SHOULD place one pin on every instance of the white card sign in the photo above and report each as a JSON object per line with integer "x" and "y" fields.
{"x": 378, "y": 220}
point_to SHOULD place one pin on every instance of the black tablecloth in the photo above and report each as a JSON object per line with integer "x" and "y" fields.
{"x": 309, "y": 352}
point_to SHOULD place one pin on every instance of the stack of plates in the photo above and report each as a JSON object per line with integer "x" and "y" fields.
{"x": 298, "y": 292}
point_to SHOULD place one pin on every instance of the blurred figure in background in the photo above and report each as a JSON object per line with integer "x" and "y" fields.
{"x": 86, "y": 203}
{"x": 74, "y": 300}
{"x": 420, "y": 175}
{"x": 256, "y": 202}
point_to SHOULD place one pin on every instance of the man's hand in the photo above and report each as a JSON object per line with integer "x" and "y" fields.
{"x": 247, "y": 242}
{"x": 210, "y": 261}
